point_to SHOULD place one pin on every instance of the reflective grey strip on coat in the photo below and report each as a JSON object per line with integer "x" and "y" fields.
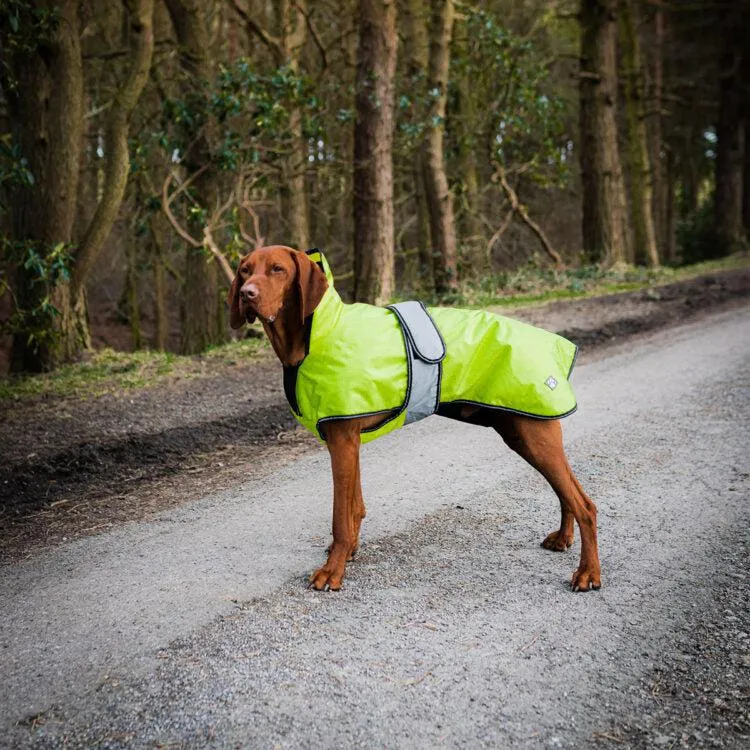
{"x": 425, "y": 349}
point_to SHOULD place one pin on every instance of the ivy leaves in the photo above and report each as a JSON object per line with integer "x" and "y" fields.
{"x": 522, "y": 120}
{"x": 252, "y": 113}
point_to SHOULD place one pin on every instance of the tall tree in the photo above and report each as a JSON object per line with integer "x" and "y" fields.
{"x": 467, "y": 179}
{"x": 604, "y": 202}
{"x": 285, "y": 45}
{"x": 730, "y": 133}
{"x": 46, "y": 105}
{"x": 660, "y": 195}
{"x": 412, "y": 14}
{"x": 439, "y": 198}
{"x": 373, "y": 152}
{"x": 639, "y": 158}
{"x": 202, "y": 309}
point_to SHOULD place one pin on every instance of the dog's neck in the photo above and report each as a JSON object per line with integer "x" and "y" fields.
{"x": 287, "y": 334}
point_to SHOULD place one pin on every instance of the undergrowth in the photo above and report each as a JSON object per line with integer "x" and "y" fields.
{"x": 107, "y": 371}
{"x": 533, "y": 284}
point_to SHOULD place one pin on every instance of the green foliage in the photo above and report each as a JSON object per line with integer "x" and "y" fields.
{"x": 521, "y": 121}
{"x": 251, "y": 111}
{"x": 44, "y": 266}
{"x": 242, "y": 120}
{"x": 33, "y": 310}
{"x": 536, "y": 283}
{"x": 14, "y": 167}
{"x": 24, "y": 28}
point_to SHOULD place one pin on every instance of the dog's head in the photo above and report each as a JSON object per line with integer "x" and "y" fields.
{"x": 272, "y": 279}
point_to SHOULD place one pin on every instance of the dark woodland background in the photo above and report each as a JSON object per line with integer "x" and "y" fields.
{"x": 426, "y": 145}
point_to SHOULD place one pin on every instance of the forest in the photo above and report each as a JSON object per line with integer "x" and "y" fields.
{"x": 428, "y": 146}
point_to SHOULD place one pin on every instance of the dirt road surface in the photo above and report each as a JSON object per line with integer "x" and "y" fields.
{"x": 455, "y": 629}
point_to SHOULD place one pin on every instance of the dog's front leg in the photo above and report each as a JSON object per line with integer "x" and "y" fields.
{"x": 342, "y": 439}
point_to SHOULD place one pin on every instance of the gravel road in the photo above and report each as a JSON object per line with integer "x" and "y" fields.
{"x": 454, "y": 628}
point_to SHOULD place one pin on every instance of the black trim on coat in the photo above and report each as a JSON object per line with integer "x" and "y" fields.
{"x": 396, "y": 414}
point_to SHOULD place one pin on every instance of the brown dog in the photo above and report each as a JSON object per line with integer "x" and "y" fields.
{"x": 282, "y": 287}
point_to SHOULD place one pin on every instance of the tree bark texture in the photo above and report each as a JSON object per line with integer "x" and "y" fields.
{"x": 469, "y": 224}
{"x": 202, "y": 314}
{"x": 130, "y": 306}
{"x": 161, "y": 319}
{"x": 294, "y": 198}
{"x": 373, "y": 152}
{"x": 641, "y": 187}
{"x": 117, "y": 163}
{"x": 729, "y": 158}
{"x": 46, "y": 123}
{"x": 439, "y": 198}
{"x": 285, "y": 46}
{"x": 730, "y": 132}
{"x": 660, "y": 196}
{"x": 670, "y": 236}
{"x": 604, "y": 202}
{"x": 413, "y": 17}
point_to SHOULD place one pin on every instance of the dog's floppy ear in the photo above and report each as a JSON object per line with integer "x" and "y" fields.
{"x": 236, "y": 317}
{"x": 311, "y": 283}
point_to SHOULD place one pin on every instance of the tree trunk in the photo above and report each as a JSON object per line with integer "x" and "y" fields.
{"x": 439, "y": 198}
{"x": 286, "y": 46}
{"x": 130, "y": 303}
{"x": 730, "y": 139}
{"x": 641, "y": 189}
{"x": 202, "y": 316}
{"x": 294, "y": 187}
{"x": 47, "y": 124}
{"x": 660, "y": 195}
{"x": 729, "y": 165}
{"x": 604, "y": 203}
{"x": 373, "y": 158}
{"x": 292, "y": 32}
{"x": 470, "y": 226}
{"x": 413, "y": 16}
{"x": 670, "y": 236}
{"x": 117, "y": 158}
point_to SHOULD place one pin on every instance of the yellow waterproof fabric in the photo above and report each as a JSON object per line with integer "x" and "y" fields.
{"x": 356, "y": 364}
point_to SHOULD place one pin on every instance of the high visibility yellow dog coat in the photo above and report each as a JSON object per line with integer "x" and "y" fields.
{"x": 363, "y": 360}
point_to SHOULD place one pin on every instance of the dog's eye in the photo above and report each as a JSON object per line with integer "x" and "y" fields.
{"x": 277, "y": 269}
{"x": 244, "y": 271}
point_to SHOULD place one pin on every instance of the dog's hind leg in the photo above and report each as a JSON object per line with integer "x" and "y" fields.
{"x": 540, "y": 443}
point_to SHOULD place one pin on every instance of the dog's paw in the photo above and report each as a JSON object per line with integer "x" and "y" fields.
{"x": 331, "y": 574}
{"x": 324, "y": 579}
{"x": 558, "y": 541}
{"x": 586, "y": 580}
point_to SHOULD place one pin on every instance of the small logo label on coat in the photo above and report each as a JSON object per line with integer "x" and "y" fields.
{"x": 551, "y": 383}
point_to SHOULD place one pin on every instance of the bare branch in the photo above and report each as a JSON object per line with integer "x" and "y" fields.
{"x": 315, "y": 37}
{"x": 208, "y": 241}
{"x": 297, "y": 38}
{"x": 273, "y": 43}
{"x": 244, "y": 202}
{"x": 166, "y": 200}
{"x": 499, "y": 233}
{"x": 520, "y": 209}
